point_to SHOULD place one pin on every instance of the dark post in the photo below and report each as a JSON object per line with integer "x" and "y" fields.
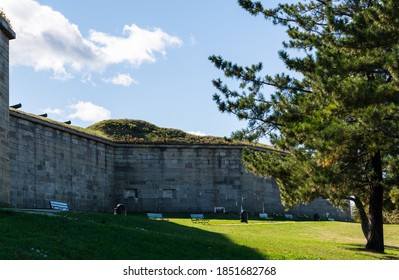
{"x": 244, "y": 216}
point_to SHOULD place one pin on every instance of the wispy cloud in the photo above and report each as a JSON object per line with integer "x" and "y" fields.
{"x": 54, "y": 111}
{"x": 193, "y": 40}
{"x": 47, "y": 40}
{"x": 88, "y": 112}
{"x": 121, "y": 80}
{"x": 83, "y": 111}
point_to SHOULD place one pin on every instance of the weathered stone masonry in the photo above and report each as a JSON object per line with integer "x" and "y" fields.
{"x": 53, "y": 162}
{"x": 41, "y": 160}
{"x": 50, "y": 161}
{"x": 194, "y": 178}
{"x": 6, "y": 34}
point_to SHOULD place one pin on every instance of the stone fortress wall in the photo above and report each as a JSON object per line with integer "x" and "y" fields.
{"x": 50, "y": 161}
{"x": 42, "y": 160}
{"x": 6, "y": 34}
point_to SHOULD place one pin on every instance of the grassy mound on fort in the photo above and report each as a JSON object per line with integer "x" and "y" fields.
{"x": 142, "y": 132}
{"x": 93, "y": 236}
{"x": 137, "y": 131}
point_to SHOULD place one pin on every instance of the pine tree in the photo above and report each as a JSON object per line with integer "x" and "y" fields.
{"x": 337, "y": 117}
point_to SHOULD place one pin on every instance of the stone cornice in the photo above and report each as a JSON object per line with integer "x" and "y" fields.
{"x": 6, "y": 29}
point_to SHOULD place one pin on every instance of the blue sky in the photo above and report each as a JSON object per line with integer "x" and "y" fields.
{"x": 90, "y": 60}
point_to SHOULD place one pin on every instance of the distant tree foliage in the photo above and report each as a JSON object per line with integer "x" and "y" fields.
{"x": 337, "y": 118}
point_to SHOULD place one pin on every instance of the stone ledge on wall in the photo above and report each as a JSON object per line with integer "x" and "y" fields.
{"x": 6, "y": 29}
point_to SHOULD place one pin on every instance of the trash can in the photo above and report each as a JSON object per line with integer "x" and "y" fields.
{"x": 316, "y": 217}
{"x": 244, "y": 216}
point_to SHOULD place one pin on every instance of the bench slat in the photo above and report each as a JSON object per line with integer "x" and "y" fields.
{"x": 56, "y": 205}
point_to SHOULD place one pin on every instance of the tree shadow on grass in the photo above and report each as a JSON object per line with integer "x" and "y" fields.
{"x": 95, "y": 236}
{"x": 391, "y": 252}
{"x": 175, "y": 241}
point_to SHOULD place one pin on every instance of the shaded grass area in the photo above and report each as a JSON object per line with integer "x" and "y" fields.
{"x": 105, "y": 236}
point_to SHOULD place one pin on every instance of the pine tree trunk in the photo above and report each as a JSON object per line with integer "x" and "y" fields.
{"x": 375, "y": 238}
{"x": 364, "y": 220}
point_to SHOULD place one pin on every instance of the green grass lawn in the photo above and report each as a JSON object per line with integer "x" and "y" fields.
{"x": 105, "y": 236}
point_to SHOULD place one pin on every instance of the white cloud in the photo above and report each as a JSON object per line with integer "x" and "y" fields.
{"x": 54, "y": 111}
{"x": 137, "y": 47}
{"x": 121, "y": 80}
{"x": 89, "y": 112}
{"x": 197, "y": 133}
{"x": 47, "y": 40}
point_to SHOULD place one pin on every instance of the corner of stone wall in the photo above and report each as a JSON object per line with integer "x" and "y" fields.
{"x": 6, "y": 34}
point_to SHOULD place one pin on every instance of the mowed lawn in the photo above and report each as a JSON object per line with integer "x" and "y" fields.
{"x": 105, "y": 236}
{"x": 306, "y": 240}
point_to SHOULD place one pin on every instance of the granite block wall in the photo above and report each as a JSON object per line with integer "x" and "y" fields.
{"x": 50, "y": 162}
{"x": 181, "y": 178}
{"x": 6, "y": 34}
